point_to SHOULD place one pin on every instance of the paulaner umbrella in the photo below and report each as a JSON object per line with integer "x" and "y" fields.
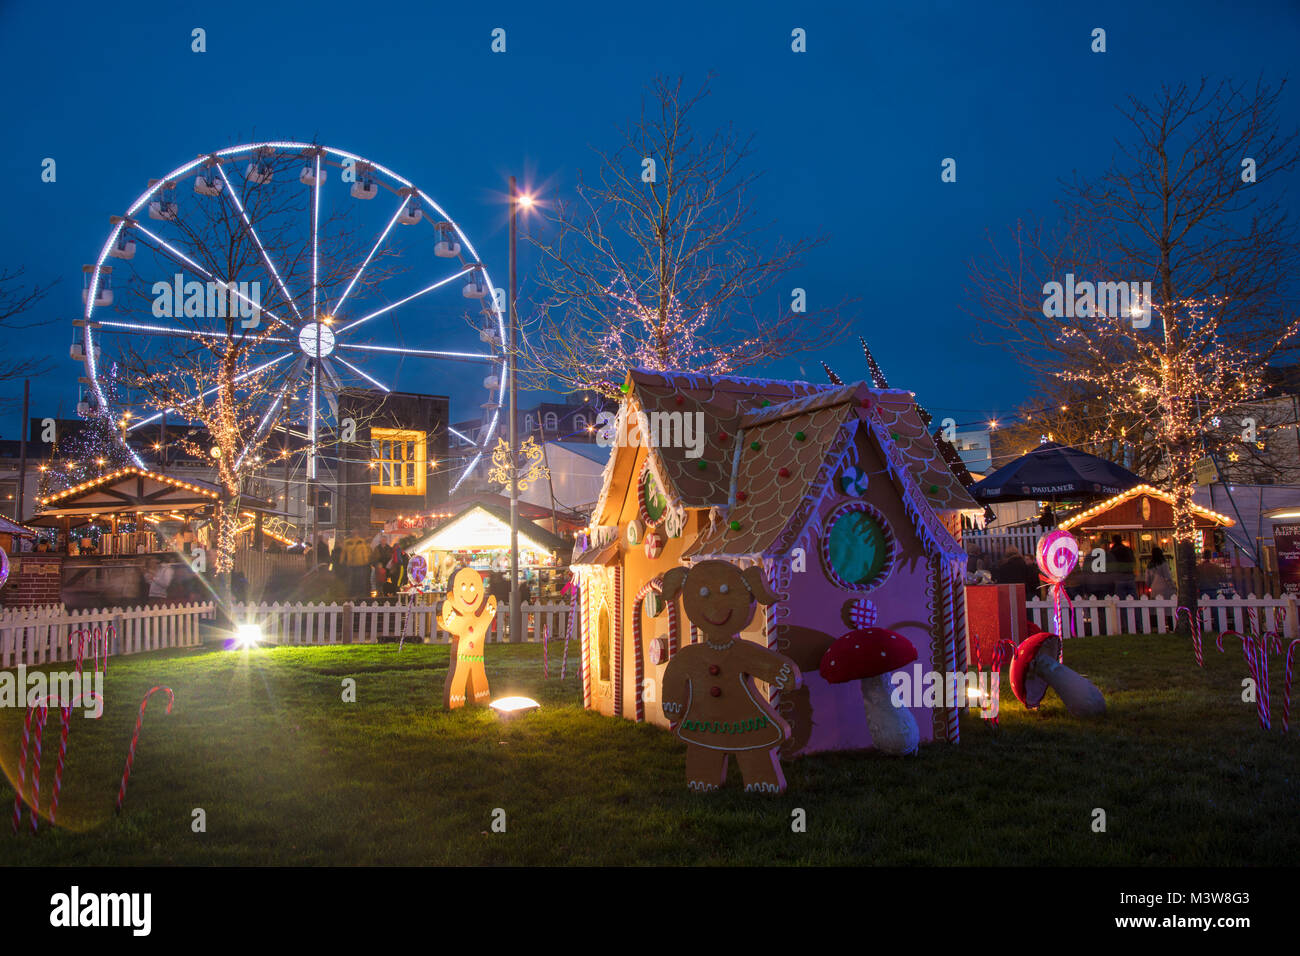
{"x": 1051, "y": 472}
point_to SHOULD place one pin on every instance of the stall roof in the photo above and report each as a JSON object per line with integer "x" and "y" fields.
{"x": 1091, "y": 517}
{"x": 487, "y": 526}
{"x": 132, "y": 490}
{"x": 10, "y": 526}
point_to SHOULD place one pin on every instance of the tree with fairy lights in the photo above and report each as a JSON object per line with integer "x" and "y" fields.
{"x": 1194, "y": 204}
{"x": 660, "y": 262}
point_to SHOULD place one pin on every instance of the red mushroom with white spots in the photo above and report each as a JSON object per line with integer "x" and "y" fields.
{"x": 870, "y": 654}
{"x": 1036, "y": 666}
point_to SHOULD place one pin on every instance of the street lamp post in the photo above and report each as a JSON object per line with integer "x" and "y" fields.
{"x": 517, "y": 199}
{"x": 516, "y": 612}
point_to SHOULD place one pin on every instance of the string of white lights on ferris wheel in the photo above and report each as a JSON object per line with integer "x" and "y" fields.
{"x": 316, "y": 339}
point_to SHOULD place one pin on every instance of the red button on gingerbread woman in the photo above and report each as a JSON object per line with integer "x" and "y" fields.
{"x": 708, "y": 688}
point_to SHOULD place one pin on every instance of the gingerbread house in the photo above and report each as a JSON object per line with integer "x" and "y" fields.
{"x": 838, "y": 492}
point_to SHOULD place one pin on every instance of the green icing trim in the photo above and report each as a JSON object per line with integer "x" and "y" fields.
{"x": 726, "y": 726}
{"x": 471, "y": 658}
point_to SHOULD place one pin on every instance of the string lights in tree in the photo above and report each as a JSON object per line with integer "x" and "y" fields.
{"x": 1179, "y": 384}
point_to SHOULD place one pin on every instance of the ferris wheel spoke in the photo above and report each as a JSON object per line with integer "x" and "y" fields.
{"x": 400, "y": 302}
{"x": 422, "y": 353}
{"x": 109, "y": 325}
{"x": 181, "y": 258}
{"x": 242, "y": 376}
{"x": 378, "y": 242}
{"x": 373, "y": 381}
{"x": 248, "y": 224}
{"x": 315, "y": 239}
{"x": 290, "y": 380}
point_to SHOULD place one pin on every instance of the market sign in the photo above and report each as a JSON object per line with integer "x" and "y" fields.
{"x": 1206, "y": 472}
{"x": 1286, "y": 537}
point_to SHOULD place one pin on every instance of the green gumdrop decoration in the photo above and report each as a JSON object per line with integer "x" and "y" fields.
{"x": 755, "y": 445}
{"x": 735, "y": 526}
{"x": 799, "y": 436}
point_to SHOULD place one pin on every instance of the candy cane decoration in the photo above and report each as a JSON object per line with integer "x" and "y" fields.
{"x": 65, "y": 721}
{"x": 568, "y": 632}
{"x": 1286, "y": 693}
{"x": 135, "y": 737}
{"x": 995, "y": 674}
{"x": 1256, "y": 655}
{"x": 546, "y": 640}
{"x": 22, "y": 770}
{"x": 585, "y": 633}
{"x": 1193, "y": 622}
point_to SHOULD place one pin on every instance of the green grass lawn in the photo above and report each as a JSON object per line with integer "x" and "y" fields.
{"x": 288, "y": 773}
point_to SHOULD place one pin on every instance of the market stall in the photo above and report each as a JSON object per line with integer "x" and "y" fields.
{"x": 479, "y": 537}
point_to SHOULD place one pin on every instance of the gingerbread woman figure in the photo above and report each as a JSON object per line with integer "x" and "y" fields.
{"x": 708, "y": 688}
{"x": 467, "y": 614}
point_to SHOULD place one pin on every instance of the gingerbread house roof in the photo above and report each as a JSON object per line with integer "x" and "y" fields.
{"x": 789, "y": 453}
{"x": 722, "y": 400}
{"x": 771, "y": 449}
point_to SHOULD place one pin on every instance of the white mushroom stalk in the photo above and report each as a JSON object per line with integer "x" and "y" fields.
{"x": 1080, "y": 695}
{"x": 893, "y": 729}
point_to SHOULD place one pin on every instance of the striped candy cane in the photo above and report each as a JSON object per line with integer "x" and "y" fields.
{"x": 1193, "y": 622}
{"x": 568, "y": 632}
{"x": 546, "y": 641}
{"x": 1286, "y": 692}
{"x": 135, "y": 737}
{"x": 22, "y": 770}
{"x": 66, "y": 722}
{"x": 585, "y": 633}
{"x": 1256, "y": 655}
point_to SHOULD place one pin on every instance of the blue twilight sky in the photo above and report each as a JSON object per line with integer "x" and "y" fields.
{"x": 850, "y": 134}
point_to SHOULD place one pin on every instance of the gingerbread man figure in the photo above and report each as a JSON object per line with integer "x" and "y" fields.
{"x": 467, "y": 614}
{"x": 708, "y": 688}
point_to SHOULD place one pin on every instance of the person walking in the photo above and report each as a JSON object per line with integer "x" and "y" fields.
{"x": 1159, "y": 577}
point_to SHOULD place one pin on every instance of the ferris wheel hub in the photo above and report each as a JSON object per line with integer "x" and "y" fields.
{"x": 316, "y": 340}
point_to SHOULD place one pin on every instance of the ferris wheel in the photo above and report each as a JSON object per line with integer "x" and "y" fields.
{"x": 331, "y": 326}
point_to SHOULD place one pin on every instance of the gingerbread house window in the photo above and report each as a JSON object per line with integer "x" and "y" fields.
{"x": 857, "y": 548}
{"x": 604, "y": 647}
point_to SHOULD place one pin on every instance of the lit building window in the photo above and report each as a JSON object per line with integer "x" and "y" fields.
{"x": 398, "y": 461}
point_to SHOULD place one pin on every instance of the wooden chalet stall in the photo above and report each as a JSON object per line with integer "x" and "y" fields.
{"x": 1143, "y": 517}
{"x": 109, "y": 530}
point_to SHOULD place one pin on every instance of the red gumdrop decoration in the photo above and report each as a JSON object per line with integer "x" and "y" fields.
{"x": 741, "y": 496}
{"x": 680, "y": 399}
{"x": 784, "y": 472}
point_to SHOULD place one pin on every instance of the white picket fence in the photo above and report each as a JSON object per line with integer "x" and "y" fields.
{"x": 45, "y": 634}
{"x": 993, "y": 545}
{"x": 1130, "y": 615}
{"x": 371, "y": 623}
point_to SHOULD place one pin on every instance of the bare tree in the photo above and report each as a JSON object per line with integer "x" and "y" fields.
{"x": 1193, "y": 205}
{"x": 17, "y": 299}
{"x": 662, "y": 263}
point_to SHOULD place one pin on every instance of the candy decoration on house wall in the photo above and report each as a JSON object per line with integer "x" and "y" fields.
{"x": 654, "y": 543}
{"x": 634, "y": 532}
{"x": 853, "y": 482}
{"x": 708, "y": 688}
{"x": 1058, "y": 555}
{"x": 859, "y": 613}
{"x": 675, "y": 521}
{"x": 466, "y": 614}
